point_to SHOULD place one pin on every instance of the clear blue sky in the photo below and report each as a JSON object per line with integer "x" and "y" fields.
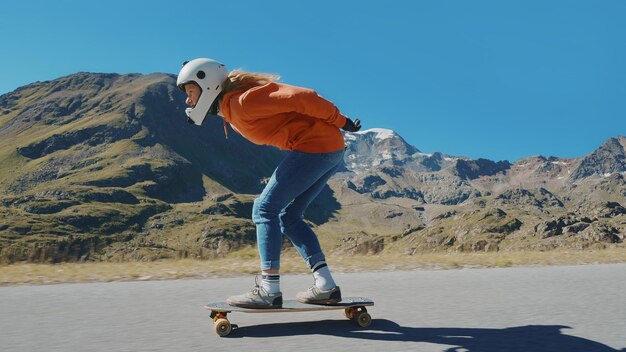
{"x": 494, "y": 79}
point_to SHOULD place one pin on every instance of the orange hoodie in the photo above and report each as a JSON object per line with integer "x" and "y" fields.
{"x": 287, "y": 117}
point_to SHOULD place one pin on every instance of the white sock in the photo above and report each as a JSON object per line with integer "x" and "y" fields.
{"x": 271, "y": 283}
{"x": 323, "y": 279}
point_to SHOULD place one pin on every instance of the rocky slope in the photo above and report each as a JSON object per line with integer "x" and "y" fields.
{"x": 88, "y": 160}
{"x": 105, "y": 167}
{"x": 480, "y": 205}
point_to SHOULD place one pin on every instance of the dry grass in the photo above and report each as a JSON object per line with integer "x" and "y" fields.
{"x": 246, "y": 263}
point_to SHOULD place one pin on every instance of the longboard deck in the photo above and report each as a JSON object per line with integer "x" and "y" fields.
{"x": 353, "y": 307}
{"x": 293, "y": 306}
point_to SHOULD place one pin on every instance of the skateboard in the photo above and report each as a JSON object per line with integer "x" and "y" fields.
{"x": 353, "y": 308}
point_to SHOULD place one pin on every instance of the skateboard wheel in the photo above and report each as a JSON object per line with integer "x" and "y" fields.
{"x": 223, "y": 327}
{"x": 349, "y": 313}
{"x": 363, "y": 319}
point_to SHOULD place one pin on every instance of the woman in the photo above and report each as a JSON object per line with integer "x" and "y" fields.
{"x": 291, "y": 118}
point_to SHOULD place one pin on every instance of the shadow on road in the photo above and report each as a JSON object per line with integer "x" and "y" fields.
{"x": 536, "y": 338}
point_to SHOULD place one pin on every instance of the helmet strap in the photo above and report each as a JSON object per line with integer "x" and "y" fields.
{"x": 215, "y": 107}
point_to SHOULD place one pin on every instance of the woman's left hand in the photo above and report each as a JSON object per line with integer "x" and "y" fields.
{"x": 352, "y": 126}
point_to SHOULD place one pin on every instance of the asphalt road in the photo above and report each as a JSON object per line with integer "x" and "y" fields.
{"x": 539, "y": 309}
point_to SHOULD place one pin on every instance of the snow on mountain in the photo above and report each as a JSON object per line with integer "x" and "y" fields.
{"x": 380, "y": 133}
{"x": 379, "y": 147}
{"x": 376, "y": 147}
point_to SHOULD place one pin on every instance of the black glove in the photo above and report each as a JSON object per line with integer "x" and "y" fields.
{"x": 352, "y": 126}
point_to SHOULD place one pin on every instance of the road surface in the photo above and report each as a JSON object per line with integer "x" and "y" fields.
{"x": 539, "y": 309}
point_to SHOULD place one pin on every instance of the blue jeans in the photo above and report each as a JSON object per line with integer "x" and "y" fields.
{"x": 279, "y": 210}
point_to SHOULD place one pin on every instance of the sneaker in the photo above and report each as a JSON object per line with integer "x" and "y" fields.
{"x": 316, "y": 296}
{"x": 257, "y": 298}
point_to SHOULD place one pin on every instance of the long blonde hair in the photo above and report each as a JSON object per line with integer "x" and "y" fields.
{"x": 241, "y": 80}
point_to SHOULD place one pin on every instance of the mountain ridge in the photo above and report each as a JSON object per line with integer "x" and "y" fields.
{"x": 105, "y": 167}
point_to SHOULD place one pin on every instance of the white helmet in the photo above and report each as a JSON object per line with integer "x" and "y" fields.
{"x": 209, "y": 75}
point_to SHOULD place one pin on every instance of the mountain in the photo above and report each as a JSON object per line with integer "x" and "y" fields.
{"x": 88, "y": 160}
{"x": 105, "y": 167}
{"x": 377, "y": 147}
{"x": 475, "y": 205}
{"x": 607, "y": 160}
